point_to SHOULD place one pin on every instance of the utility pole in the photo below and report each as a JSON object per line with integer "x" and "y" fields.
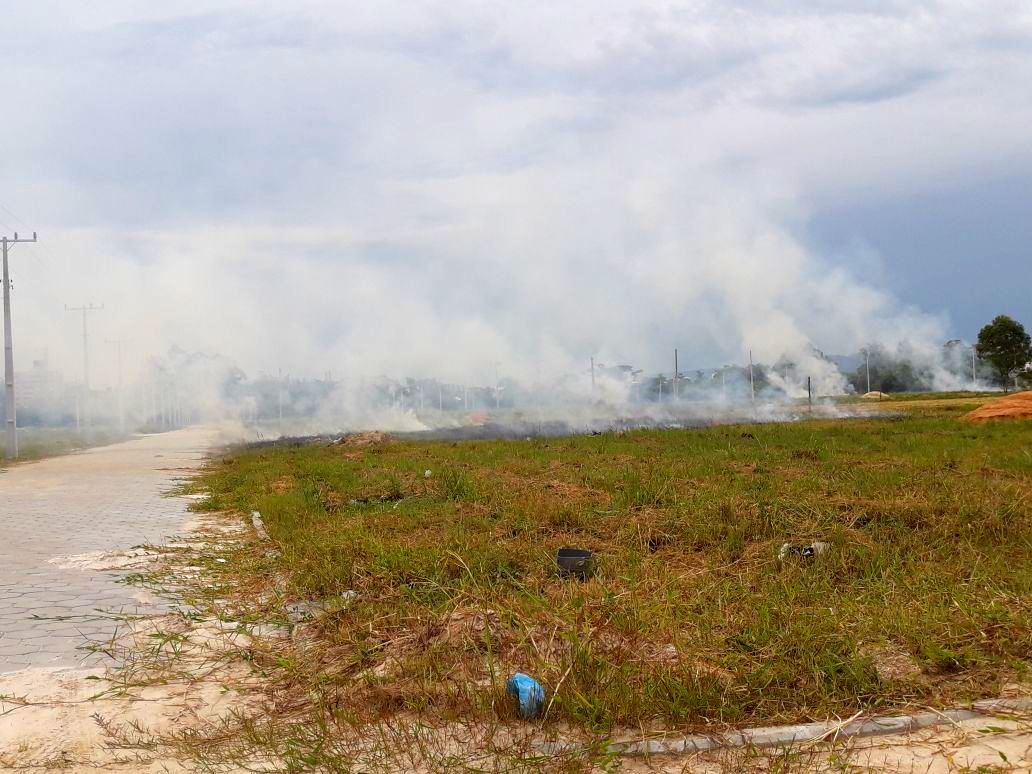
{"x": 752, "y": 383}
{"x": 675, "y": 374}
{"x": 121, "y": 401}
{"x": 279, "y": 398}
{"x": 867, "y": 361}
{"x": 12, "y": 419}
{"x": 85, "y": 356}
{"x": 974, "y": 376}
{"x": 498, "y": 389}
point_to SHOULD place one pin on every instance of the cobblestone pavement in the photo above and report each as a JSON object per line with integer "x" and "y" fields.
{"x": 56, "y": 513}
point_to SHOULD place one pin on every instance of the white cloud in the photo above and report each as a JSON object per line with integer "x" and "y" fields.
{"x": 433, "y": 187}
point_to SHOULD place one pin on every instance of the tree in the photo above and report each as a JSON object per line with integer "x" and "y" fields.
{"x": 1006, "y": 346}
{"x": 890, "y": 372}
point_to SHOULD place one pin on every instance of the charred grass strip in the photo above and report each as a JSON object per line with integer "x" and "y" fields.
{"x": 690, "y": 621}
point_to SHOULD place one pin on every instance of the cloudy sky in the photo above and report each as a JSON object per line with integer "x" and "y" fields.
{"x": 434, "y": 187}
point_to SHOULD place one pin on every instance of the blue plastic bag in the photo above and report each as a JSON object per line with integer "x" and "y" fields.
{"x": 529, "y": 693}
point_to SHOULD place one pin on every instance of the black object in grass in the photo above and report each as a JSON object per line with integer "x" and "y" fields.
{"x": 574, "y": 563}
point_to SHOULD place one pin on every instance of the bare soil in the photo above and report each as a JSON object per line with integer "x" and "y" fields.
{"x": 1016, "y": 406}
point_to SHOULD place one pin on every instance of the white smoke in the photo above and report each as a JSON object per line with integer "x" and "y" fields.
{"x": 454, "y": 191}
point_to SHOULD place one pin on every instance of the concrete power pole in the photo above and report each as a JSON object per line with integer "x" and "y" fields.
{"x": 675, "y": 374}
{"x": 279, "y": 399}
{"x": 497, "y": 390}
{"x": 121, "y": 400}
{"x": 752, "y": 383}
{"x": 85, "y": 357}
{"x": 12, "y": 418}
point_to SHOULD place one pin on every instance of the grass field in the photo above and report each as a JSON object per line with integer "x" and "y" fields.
{"x": 38, "y": 442}
{"x": 923, "y": 598}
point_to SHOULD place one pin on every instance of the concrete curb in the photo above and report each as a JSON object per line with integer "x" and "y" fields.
{"x": 787, "y": 736}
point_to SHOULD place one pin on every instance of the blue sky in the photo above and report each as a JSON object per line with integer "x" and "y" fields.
{"x": 437, "y": 186}
{"x": 965, "y": 251}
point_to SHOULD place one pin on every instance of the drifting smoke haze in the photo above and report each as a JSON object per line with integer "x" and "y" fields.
{"x": 436, "y": 190}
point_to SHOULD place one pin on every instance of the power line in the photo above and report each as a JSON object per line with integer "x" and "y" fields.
{"x": 42, "y": 248}
{"x": 12, "y": 418}
{"x": 11, "y": 212}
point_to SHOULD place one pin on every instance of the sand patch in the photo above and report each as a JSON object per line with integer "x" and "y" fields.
{"x": 102, "y": 561}
{"x": 112, "y": 719}
{"x": 175, "y": 677}
{"x": 1016, "y": 406}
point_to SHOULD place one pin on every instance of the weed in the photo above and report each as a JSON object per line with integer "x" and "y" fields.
{"x": 455, "y": 484}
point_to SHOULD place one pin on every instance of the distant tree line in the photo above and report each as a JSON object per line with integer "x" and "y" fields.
{"x": 1002, "y": 357}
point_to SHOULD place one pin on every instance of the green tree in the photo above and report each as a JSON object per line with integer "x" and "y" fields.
{"x": 890, "y": 372}
{"x": 1006, "y": 346}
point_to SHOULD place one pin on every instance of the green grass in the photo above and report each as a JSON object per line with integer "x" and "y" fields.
{"x": 35, "y": 443}
{"x": 690, "y": 618}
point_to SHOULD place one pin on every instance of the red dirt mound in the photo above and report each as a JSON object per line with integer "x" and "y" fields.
{"x": 1016, "y": 406}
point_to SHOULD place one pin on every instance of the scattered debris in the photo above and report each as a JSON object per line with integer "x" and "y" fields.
{"x": 528, "y": 692}
{"x": 428, "y": 473}
{"x": 807, "y": 552}
{"x": 466, "y": 627}
{"x": 310, "y": 609}
{"x": 302, "y": 612}
{"x": 384, "y": 498}
{"x": 1016, "y": 406}
{"x": 259, "y": 525}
